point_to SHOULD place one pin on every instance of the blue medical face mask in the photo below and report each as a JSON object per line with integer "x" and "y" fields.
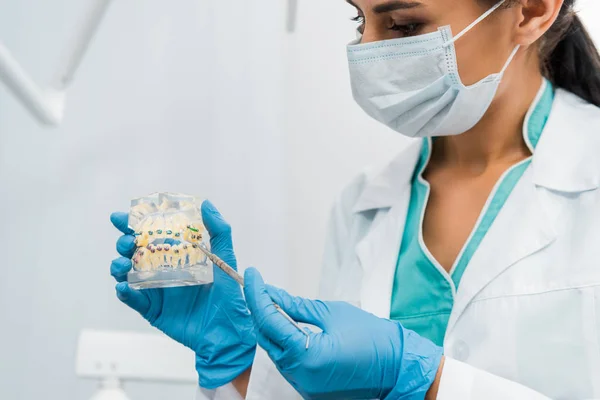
{"x": 412, "y": 84}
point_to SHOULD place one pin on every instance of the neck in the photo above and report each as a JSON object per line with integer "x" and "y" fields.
{"x": 498, "y": 137}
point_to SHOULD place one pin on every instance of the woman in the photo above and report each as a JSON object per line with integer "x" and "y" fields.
{"x": 482, "y": 241}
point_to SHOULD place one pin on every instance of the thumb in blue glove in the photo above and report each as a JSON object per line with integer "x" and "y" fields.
{"x": 356, "y": 356}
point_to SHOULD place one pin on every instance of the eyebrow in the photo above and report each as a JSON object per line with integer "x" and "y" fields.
{"x": 391, "y": 6}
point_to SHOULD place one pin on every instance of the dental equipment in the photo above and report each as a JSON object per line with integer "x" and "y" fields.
{"x": 113, "y": 358}
{"x": 48, "y": 104}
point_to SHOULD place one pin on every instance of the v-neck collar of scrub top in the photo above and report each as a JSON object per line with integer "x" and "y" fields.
{"x": 563, "y": 160}
{"x": 423, "y": 292}
{"x": 532, "y": 131}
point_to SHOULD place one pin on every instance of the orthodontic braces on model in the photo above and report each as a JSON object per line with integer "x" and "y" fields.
{"x": 150, "y": 256}
{"x": 169, "y": 235}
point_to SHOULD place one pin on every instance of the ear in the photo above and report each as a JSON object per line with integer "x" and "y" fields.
{"x": 535, "y": 17}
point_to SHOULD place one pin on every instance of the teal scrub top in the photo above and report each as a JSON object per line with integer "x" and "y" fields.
{"x": 423, "y": 292}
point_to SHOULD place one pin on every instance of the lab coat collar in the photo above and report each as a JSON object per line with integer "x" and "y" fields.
{"x": 388, "y": 185}
{"x": 565, "y": 157}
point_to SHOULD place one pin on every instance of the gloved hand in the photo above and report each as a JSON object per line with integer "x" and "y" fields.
{"x": 357, "y": 356}
{"x": 212, "y": 320}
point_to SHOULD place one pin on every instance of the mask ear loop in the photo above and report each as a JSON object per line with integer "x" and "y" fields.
{"x": 474, "y": 23}
{"x": 510, "y": 58}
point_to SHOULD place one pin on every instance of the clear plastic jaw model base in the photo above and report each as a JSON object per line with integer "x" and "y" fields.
{"x": 168, "y": 235}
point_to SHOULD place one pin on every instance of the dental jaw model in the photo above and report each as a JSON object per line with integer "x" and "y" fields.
{"x": 168, "y": 234}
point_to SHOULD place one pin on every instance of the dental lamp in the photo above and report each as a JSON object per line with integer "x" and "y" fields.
{"x": 47, "y": 104}
{"x": 114, "y": 357}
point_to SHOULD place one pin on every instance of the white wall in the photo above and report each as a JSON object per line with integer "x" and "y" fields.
{"x": 589, "y": 10}
{"x": 181, "y": 95}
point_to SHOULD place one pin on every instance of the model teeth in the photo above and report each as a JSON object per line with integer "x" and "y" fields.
{"x": 166, "y": 238}
{"x": 150, "y": 256}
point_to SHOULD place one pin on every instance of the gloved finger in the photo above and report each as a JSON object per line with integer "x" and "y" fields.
{"x": 275, "y": 352}
{"x": 120, "y": 267}
{"x": 221, "y": 243}
{"x": 121, "y": 221}
{"x": 313, "y": 312}
{"x": 267, "y": 319}
{"x": 219, "y": 230}
{"x": 133, "y": 298}
{"x": 126, "y": 246}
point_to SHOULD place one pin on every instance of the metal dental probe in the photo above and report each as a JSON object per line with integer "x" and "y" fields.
{"x": 239, "y": 279}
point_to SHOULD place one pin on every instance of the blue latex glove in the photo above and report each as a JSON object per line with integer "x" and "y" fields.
{"x": 357, "y": 356}
{"x": 212, "y": 320}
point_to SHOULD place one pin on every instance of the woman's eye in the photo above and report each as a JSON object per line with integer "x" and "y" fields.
{"x": 359, "y": 18}
{"x": 361, "y": 22}
{"x": 407, "y": 29}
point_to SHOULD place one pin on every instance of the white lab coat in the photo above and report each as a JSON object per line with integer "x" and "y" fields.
{"x": 526, "y": 317}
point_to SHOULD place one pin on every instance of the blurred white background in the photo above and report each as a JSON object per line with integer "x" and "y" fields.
{"x": 206, "y": 97}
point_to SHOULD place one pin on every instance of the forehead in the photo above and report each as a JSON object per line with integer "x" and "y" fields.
{"x": 435, "y": 7}
{"x": 390, "y": 4}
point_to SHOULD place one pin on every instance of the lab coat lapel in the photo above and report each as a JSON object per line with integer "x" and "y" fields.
{"x": 524, "y": 226}
{"x": 565, "y": 162}
{"x": 378, "y": 255}
{"x": 388, "y": 194}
